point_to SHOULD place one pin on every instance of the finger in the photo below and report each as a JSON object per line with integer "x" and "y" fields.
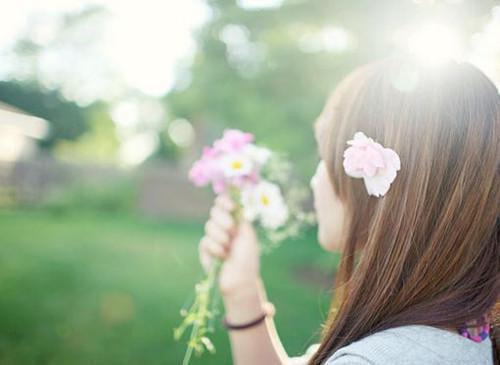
{"x": 215, "y": 232}
{"x": 213, "y": 248}
{"x": 205, "y": 259}
{"x": 222, "y": 218}
{"x": 225, "y": 202}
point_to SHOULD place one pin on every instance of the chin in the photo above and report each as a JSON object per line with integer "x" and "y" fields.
{"x": 323, "y": 242}
{"x": 327, "y": 243}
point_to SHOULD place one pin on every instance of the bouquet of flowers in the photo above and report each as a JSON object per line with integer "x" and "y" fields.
{"x": 260, "y": 183}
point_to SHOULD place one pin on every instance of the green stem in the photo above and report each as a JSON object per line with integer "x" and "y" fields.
{"x": 203, "y": 307}
{"x": 189, "y": 351}
{"x": 204, "y": 294}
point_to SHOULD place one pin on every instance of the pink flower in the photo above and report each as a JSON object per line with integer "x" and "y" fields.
{"x": 209, "y": 153}
{"x": 204, "y": 170}
{"x": 245, "y": 181}
{"x": 232, "y": 161}
{"x": 370, "y": 161}
{"x": 233, "y": 140}
{"x": 200, "y": 173}
{"x": 219, "y": 186}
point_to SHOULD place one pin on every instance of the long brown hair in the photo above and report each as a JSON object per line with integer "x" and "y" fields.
{"x": 428, "y": 251}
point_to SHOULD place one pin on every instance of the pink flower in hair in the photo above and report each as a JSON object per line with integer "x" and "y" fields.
{"x": 372, "y": 162}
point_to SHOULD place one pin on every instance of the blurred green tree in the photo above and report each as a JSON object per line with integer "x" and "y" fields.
{"x": 67, "y": 120}
{"x": 98, "y": 144}
{"x": 58, "y": 92}
{"x": 269, "y": 70}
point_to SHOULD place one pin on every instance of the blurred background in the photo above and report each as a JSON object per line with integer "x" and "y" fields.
{"x": 103, "y": 107}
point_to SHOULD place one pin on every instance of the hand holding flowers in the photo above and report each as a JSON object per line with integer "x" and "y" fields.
{"x": 233, "y": 242}
{"x": 253, "y": 185}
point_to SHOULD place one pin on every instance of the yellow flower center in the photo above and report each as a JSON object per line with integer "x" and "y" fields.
{"x": 236, "y": 165}
{"x": 264, "y": 200}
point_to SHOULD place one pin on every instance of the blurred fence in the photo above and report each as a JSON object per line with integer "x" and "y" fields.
{"x": 165, "y": 191}
{"x": 159, "y": 190}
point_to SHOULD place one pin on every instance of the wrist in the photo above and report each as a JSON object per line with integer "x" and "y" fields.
{"x": 245, "y": 302}
{"x": 240, "y": 287}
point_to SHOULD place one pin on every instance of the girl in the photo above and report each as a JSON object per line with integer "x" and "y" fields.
{"x": 419, "y": 276}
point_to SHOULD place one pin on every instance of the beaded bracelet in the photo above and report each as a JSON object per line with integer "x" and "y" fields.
{"x": 268, "y": 309}
{"x": 244, "y": 325}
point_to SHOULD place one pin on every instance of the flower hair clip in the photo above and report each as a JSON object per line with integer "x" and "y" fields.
{"x": 372, "y": 162}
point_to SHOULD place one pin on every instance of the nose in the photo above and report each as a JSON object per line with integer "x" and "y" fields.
{"x": 312, "y": 183}
{"x": 314, "y": 178}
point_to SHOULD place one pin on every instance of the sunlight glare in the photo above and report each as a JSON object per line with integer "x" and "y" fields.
{"x": 181, "y": 132}
{"x": 259, "y": 4}
{"x": 434, "y": 43}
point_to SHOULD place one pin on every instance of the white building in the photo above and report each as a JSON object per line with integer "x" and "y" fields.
{"x": 19, "y": 133}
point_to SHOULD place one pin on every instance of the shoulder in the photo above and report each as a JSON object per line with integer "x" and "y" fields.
{"x": 414, "y": 344}
{"x": 347, "y": 359}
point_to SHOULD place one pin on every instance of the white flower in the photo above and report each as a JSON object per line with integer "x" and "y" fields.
{"x": 236, "y": 164}
{"x": 258, "y": 155}
{"x": 265, "y": 202}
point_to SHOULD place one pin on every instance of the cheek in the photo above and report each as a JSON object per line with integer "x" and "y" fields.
{"x": 323, "y": 191}
{"x": 330, "y": 213}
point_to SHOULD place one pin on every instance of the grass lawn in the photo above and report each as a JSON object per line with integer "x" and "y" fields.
{"x": 87, "y": 289}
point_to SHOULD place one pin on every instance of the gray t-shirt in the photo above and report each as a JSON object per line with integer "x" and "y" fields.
{"x": 409, "y": 345}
